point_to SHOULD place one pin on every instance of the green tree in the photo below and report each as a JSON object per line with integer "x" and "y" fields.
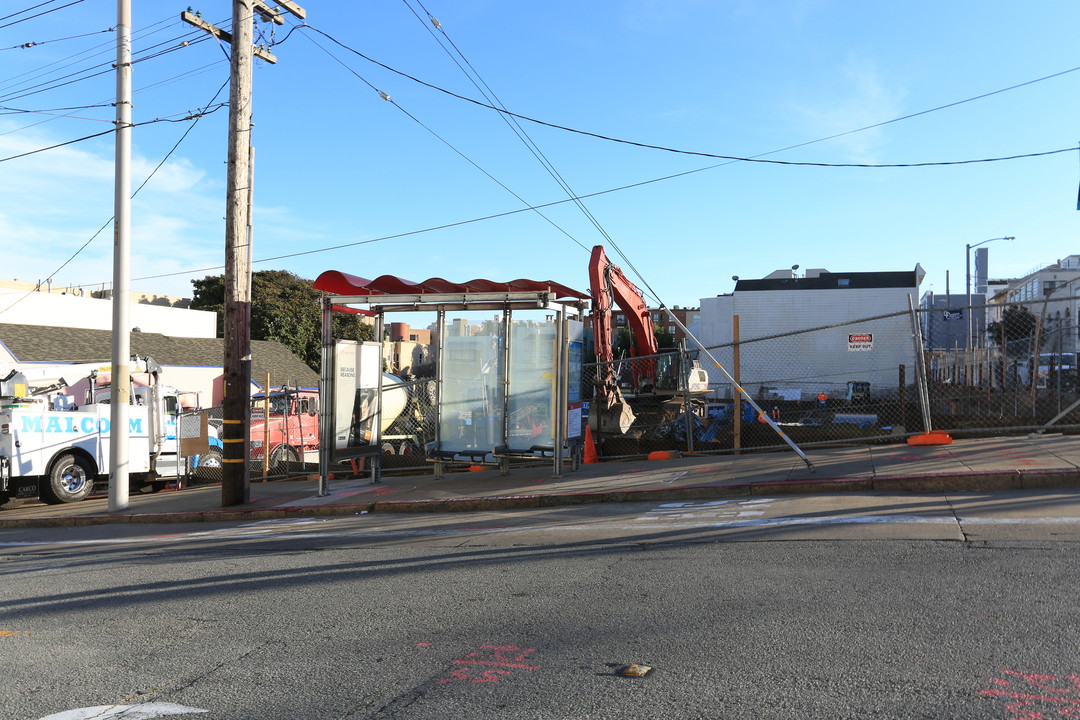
{"x": 285, "y": 308}
{"x": 665, "y": 340}
{"x": 1018, "y": 326}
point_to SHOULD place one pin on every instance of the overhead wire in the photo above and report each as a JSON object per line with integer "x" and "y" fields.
{"x": 739, "y": 158}
{"x": 185, "y": 39}
{"x": 73, "y": 2}
{"x": 728, "y": 158}
{"x": 186, "y": 117}
{"x": 482, "y": 86}
{"x": 26, "y": 10}
{"x": 36, "y": 43}
{"x": 385, "y": 96}
{"x": 107, "y": 67}
{"x": 186, "y": 132}
{"x": 93, "y": 51}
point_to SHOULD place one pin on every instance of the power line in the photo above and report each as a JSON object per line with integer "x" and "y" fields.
{"x": 93, "y": 51}
{"x": 178, "y": 43}
{"x": 26, "y": 10}
{"x": 141, "y": 186}
{"x": 511, "y": 122}
{"x": 74, "y": 2}
{"x": 445, "y": 226}
{"x": 159, "y": 83}
{"x": 738, "y": 158}
{"x": 36, "y": 43}
{"x": 189, "y": 116}
{"x": 446, "y": 142}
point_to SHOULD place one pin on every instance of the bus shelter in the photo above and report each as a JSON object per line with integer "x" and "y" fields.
{"x": 510, "y": 393}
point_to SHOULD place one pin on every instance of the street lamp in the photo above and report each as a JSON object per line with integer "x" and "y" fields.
{"x": 967, "y": 289}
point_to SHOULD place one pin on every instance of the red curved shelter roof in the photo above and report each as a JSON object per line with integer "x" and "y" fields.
{"x": 339, "y": 283}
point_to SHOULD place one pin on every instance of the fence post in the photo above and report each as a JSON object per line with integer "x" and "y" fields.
{"x": 266, "y": 428}
{"x": 902, "y": 394}
{"x": 736, "y": 360}
{"x": 684, "y": 380}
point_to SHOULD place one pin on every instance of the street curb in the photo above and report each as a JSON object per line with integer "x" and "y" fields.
{"x": 952, "y": 482}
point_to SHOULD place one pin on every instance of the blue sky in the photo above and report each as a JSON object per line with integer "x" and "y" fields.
{"x": 337, "y": 165}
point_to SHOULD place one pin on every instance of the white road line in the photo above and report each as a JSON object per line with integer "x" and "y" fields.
{"x": 144, "y": 711}
{"x": 375, "y": 533}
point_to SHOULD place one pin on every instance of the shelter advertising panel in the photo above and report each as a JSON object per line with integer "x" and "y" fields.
{"x": 356, "y": 395}
{"x": 575, "y": 336}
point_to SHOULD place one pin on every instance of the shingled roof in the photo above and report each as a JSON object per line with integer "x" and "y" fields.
{"x": 37, "y": 343}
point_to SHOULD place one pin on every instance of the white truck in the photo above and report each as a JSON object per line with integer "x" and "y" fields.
{"x": 55, "y": 449}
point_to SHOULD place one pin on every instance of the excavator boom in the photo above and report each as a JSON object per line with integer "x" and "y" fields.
{"x": 610, "y": 287}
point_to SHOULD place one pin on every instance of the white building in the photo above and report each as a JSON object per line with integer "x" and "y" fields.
{"x": 1052, "y": 294}
{"x": 802, "y": 336}
{"x": 22, "y": 304}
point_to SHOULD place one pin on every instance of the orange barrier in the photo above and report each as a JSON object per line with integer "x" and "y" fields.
{"x": 934, "y": 437}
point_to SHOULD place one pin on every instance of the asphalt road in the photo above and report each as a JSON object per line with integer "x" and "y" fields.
{"x": 862, "y": 606}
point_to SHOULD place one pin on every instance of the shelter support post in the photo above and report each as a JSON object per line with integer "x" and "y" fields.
{"x": 326, "y": 397}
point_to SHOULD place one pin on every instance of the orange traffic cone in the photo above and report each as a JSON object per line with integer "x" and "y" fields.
{"x": 590, "y": 448}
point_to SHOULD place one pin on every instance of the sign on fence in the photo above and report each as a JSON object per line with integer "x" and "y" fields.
{"x": 860, "y": 341}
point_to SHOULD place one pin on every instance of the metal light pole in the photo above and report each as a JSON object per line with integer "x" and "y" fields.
{"x": 967, "y": 292}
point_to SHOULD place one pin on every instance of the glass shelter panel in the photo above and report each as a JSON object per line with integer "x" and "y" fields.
{"x": 532, "y": 374}
{"x": 472, "y": 390}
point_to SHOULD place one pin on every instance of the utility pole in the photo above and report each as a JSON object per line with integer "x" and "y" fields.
{"x": 236, "y": 404}
{"x": 120, "y": 380}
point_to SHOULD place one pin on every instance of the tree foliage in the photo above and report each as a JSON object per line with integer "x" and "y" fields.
{"x": 285, "y": 308}
{"x": 665, "y": 339}
{"x": 1018, "y": 326}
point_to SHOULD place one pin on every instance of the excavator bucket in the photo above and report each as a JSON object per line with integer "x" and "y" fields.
{"x": 612, "y": 414}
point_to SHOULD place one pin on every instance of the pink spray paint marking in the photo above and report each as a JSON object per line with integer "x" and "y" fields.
{"x": 1036, "y": 696}
{"x": 500, "y": 661}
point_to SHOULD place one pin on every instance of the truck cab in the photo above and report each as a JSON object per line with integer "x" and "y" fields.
{"x": 289, "y": 430}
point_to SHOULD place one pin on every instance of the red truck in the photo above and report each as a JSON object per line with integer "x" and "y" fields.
{"x": 289, "y": 431}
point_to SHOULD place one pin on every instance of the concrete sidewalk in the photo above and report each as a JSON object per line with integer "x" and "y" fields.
{"x": 1051, "y": 461}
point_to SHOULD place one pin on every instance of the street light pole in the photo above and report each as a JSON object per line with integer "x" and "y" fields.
{"x": 967, "y": 292}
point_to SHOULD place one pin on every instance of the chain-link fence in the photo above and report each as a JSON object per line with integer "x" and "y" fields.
{"x": 408, "y": 424}
{"x": 872, "y": 380}
{"x": 202, "y": 459}
{"x": 851, "y": 382}
{"x": 285, "y": 440}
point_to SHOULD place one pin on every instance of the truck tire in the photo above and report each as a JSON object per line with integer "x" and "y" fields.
{"x": 209, "y": 467}
{"x": 283, "y": 460}
{"x": 71, "y": 480}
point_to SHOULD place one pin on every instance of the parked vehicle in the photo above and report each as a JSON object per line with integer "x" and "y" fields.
{"x": 55, "y": 449}
{"x": 290, "y": 431}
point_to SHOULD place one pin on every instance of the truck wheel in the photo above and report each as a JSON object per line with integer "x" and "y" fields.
{"x": 209, "y": 467}
{"x": 71, "y": 480}
{"x": 282, "y": 460}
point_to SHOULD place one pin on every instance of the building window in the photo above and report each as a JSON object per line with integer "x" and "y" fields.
{"x": 843, "y": 282}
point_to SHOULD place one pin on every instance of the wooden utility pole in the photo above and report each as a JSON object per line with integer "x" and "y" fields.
{"x": 236, "y": 405}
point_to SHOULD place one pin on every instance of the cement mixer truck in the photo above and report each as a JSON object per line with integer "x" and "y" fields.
{"x": 285, "y": 424}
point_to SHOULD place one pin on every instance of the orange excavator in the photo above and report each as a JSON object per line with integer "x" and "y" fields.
{"x": 609, "y": 287}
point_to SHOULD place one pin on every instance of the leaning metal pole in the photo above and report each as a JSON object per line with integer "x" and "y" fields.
{"x": 762, "y": 415}
{"x": 920, "y": 367}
